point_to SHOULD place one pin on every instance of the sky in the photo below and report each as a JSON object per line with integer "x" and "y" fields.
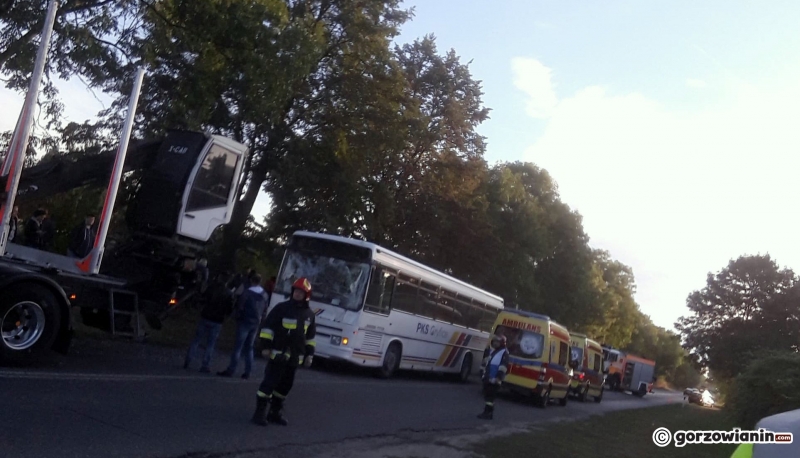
{"x": 672, "y": 127}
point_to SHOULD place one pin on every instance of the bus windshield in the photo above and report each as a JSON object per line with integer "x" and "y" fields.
{"x": 523, "y": 344}
{"x": 334, "y": 281}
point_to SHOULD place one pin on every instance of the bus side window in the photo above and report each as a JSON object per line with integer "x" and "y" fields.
{"x": 563, "y": 354}
{"x": 428, "y": 300}
{"x": 457, "y": 310}
{"x": 488, "y": 316}
{"x": 379, "y": 295}
{"x": 405, "y": 295}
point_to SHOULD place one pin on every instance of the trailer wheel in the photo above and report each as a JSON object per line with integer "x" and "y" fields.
{"x": 30, "y": 317}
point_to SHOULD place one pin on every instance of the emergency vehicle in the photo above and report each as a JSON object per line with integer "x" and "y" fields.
{"x": 627, "y": 372}
{"x": 587, "y": 365}
{"x": 539, "y": 353}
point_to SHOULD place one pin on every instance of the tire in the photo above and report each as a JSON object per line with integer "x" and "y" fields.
{"x": 544, "y": 399}
{"x": 30, "y": 320}
{"x": 466, "y": 368}
{"x": 391, "y": 361}
{"x": 598, "y": 399}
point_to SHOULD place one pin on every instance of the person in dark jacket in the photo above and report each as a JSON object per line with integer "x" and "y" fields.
{"x": 81, "y": 239}
{"x": 250, "y": 308}
{"x": 33, "y": 230}
{"x": 288, "y": 336}
{"x": 496, "y": 366}
{"x": 218, "y": 307}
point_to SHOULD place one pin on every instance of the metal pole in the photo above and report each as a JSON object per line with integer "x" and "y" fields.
{"x": 96, "y": 255}
{"x": 12, "y": 145}
{"x": 19, "y": 144}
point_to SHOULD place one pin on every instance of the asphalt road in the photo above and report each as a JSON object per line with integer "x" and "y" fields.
{"x": 114, "y": 399}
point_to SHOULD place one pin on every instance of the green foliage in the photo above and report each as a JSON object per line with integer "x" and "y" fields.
{"x": 770, "y": 385}
{"x": 686, "y": 376}
{"x": 751, "y": 306}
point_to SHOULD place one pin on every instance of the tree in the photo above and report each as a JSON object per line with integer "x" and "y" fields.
{"x": 258, "y": 71}
{"x": 91, "y": 40}
{"x": 746, "y": 307}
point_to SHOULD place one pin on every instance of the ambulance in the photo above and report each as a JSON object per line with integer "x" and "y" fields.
{"x": 586, "y": 361}
{"x": 539, "y": 350}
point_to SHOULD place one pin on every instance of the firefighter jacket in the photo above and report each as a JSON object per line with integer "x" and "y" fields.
{"x": 496, "y": 365}
{"x": 288, "y": 331}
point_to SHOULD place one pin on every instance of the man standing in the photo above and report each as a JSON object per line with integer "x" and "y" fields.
{"x": 250, "y": 308}
{"x": 82, "y": 239}
{"x": 33, "y": 230}
{"x": 493, "y": 374}
{"x": 218, "y": 307}
{"x": 288, "y": 335}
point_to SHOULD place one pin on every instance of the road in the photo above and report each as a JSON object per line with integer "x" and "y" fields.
{"x": 116, "y": 399}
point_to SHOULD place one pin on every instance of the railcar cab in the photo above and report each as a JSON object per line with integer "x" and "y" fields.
{"x": 190, "y": 187}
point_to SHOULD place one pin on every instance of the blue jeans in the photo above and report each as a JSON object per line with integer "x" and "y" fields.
{"x": 245, "y": 336}
{"x": 210, "y": 331}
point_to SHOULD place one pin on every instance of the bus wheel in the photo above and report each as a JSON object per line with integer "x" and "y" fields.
{"x": 30, "y": 317}
{"x": 466, "y": 368}
{"x": 391, "y": 361}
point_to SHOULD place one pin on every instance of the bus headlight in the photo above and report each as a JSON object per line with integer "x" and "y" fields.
{"x": 344, "y": 341}
{"x": 336, "y": 340}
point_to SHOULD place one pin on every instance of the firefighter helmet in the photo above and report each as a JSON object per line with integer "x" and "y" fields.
{"x": 304, "y": 285}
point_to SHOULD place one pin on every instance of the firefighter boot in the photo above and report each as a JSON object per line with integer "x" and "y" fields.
{"x": 275, "y": 415}
{"x": 488, "y": 411}
{"x": 259, "y": 416}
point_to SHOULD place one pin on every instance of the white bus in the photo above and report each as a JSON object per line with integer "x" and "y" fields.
{"x": 378, "y": 309}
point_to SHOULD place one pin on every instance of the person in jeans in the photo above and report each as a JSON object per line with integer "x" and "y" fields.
{"x": 250, "y": 308}
{"x": 217, "y": 308}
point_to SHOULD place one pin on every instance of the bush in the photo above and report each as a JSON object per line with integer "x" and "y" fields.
{"x": 768, "y": 386}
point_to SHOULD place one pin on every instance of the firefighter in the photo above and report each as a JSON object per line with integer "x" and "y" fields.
{"x": 496, "y": 366}
{"x": 288, "y": 338}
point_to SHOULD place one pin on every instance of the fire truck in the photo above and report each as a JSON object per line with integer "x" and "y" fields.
{"x": 187, "y": 190}
{"x": 628, "y": 372}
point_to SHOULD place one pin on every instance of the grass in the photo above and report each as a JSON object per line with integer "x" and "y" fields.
{"x": 620, "y": 434}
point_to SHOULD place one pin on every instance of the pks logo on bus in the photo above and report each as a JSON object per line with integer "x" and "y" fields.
{"x": 521, "y": 325}
{"x": 429, "y": 330}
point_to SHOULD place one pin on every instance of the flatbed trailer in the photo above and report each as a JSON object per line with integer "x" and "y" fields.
{"x": 188, "y": 190}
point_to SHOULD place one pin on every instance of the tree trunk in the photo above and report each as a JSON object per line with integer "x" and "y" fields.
{"x": 232, "y": 235}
